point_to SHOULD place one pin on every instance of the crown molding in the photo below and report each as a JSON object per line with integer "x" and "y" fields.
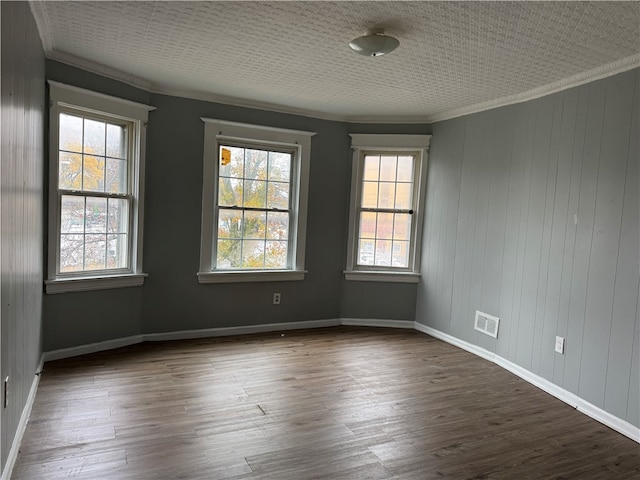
{"x": 610, "y": 69}
{"x": 603, "y": 71}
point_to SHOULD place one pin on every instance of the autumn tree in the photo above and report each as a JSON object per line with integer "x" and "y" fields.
{"x": 253, "y": 218}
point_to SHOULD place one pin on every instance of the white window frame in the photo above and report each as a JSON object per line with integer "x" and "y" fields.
{"x": 217, "y": 132}
{"x": 66, "y": 96}
{"x": 363, "y": 144}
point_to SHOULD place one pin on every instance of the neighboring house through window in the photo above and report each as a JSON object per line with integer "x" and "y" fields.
{"x": 96, "y": 170}
{"x": 387, "y": 197}
{"x": 254, "y": 203}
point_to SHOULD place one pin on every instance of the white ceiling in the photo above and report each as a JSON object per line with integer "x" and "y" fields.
{"x": 454, "y": 57}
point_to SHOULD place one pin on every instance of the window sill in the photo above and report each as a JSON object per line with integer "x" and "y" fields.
{"x": 382, "y": 276}
{"x": 245, "y": 276}
{"x": 85, "y": 284}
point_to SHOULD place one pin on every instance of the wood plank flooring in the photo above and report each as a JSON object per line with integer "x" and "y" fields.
{"x": 335, "y": 403}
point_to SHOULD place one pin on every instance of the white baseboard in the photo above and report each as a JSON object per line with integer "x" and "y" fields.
{"x": 22, "y": 425}
{"x": 91, "y": 348}
{"x": 611, "y": 421}
{"x": 227, "y": 331}
{"x": 376, "y": 322}
{"x": 184, "y": 335}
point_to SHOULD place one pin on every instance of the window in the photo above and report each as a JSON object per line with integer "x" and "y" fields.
{"x": 254, "y": 203}
{"x": 385, "y": 223}
{"x": 95, "y": 195}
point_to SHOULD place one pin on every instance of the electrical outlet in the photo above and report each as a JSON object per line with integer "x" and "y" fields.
{"x": 276, "y": 299}
{"x": 560, "y": 345}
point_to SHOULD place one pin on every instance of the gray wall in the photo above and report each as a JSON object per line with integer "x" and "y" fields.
{"x": 533, "y": 216}
{"x": 171, "y": 298}
{"x": 22, "y": 215}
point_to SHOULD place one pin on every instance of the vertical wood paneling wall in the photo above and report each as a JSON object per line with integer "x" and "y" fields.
{"x": 533, "y": 216}
{"x": 21, "y": 205}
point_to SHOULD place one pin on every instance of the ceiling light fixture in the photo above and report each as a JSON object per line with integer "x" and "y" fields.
{"x": 374, "y": 44}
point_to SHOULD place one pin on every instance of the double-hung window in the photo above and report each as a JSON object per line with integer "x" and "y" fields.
{"x": 254, "y": 203}
{"x": 387, "y": 197}
{"x": 95, "y": 195}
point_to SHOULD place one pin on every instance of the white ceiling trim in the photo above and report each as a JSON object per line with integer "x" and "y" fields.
{"x": 600, "y": 72}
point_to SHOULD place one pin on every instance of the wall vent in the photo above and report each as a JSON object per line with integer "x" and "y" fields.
{"x": 487, "y": 324}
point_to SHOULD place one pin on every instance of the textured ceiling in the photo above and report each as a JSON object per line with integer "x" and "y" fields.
{"x": 454, "y": 57}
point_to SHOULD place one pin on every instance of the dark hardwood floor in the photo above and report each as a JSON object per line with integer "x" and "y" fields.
{"x": 334, "y": 403}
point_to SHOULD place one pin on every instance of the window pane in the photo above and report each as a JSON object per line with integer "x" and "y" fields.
{"x": 255, "y": 194}
{"x": 383, "y": 253}
{"x": 253, "y": 253}
{"x": 71, "y": 253}
{"x": 400, "y": 257}
{"x": 405, "y": 169}
{"x": 370, "y": 194}
{"x": 404, "y": 192}
{"x": 279, "y": 166}
{"x": 275, "y": 254}
{"x": 371, "y": 167}
{"x": 70, "y": 138}
{"x": 254, "y": 224}
{"x": 230, "y": 192}
{"x": 255, "y": 166}
{"x": 230, "y": 224}
{"x": 72, "y": 214}
{"x": 117, "y": 251}
{"x": 229, "y": 254}
{"x": 116, "y": 175}
{"x": 96, "y": 215}
{"x": 95, "y": 251}
{"x": 70, "y": 171}
{"x": 94, "y": 137}
{"x": 116, "y": 141}
{"x": 235, "y": 166}
{"x": 93, "y": 174}
{"x": 384, "y": 227}
{"x": 366, "y": 252}
{"x": 277, "y": 225}
{"x": 278, "y": 195}
{"x": 368, "y": 225}
{"x": 388, "y": 168}
{"x": 402, "y": 226}
{"x": 386, "y": 198}
{"x": 118, "y": 220}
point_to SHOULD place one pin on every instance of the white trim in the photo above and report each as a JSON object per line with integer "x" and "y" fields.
{"x": 98, "y": 102}
{"x": 184, "y": 335}
{"x": 604, "y": 71}
{"x": 239, "y": 129}
{"x": 22, "y": 424}
{"x": 85, "y": 284}
{"x": 250, "y": 276}
{"x": 375, "y": 141}
{"x": 91, "y": 348}
{"x": 217, "y": 131}
{"x": 417, "y": 145}
{"x": 63, "y": 96}
{"x": 597, "y": 413}
{"x": 241, "y": 330}
{"x": 598, "y": 73}
{"x": 377, "y": 322}
{"x": 380, "y": 276}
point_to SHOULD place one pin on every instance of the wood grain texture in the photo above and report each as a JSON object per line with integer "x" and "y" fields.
{"x": 338, "y": 403}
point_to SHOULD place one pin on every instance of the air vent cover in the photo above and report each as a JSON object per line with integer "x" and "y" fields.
{"x": 487, "y": 324}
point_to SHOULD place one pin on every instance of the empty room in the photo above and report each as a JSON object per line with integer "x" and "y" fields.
{"x": 299, "y": 240}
